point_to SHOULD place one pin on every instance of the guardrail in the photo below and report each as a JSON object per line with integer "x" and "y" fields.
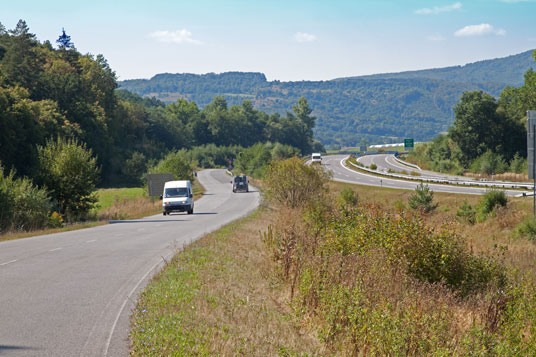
{"x": 442, "y": 181}
{"x": 407, "y": 163}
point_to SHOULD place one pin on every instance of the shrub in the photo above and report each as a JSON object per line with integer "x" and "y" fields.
{"x": 255, "y": 159}
{"x": 292, "y": 183}
{"x": 489, "y": 163}
{"x": 70, "y": 172}
{"x": 527, "y": 228}
{"x": 175, "y": 164}
{"x": 23, "y": 206}
{"x": 373, "y": 166}
{"x": 467, "y": 212}
{"x": 349, "y": 197}
{"x": 490, "y": 201}
{"x": 422, "y": 199}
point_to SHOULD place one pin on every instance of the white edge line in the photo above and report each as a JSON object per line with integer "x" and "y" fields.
{"x": 91, "y": 241}
{"x": 6, "y": 263}
{"x": 109, "y": 339}
{"x": 53, "y": 250}
{"x": 439, "y": 188}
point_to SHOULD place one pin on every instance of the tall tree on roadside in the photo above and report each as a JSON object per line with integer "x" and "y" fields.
{"x": 20, "y": 63}
{"x": 70, "y": 172}
{"x": 479, "y": 127}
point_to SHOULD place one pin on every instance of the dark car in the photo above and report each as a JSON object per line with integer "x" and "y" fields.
{"x": 240, "y": 183}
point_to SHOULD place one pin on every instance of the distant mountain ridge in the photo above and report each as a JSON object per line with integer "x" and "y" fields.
{"x": 374, "y": 108}
{"x": 505, "y": 70}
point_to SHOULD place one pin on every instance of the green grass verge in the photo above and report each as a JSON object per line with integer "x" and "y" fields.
{"x": 215, "y": 298}
{"x": 108, "y": 196}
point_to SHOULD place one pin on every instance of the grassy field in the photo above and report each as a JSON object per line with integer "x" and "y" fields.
{"x": 221, "y": 295}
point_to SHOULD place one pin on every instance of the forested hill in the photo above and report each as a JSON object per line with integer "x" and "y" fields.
{"x": 508, "y": 70}
{"x": 377, "y": 108}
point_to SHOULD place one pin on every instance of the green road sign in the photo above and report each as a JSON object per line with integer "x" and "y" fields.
{"x": 408, "y": 144}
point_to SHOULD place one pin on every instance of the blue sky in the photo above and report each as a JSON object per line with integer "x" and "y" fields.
{"x": 286, "y": 40}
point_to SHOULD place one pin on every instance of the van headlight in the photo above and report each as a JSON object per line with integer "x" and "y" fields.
{"x": 166, "y": 203}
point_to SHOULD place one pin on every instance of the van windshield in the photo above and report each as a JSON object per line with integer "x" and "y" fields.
{"x": 239, "y": 179}
{"x": 176, "y": 192}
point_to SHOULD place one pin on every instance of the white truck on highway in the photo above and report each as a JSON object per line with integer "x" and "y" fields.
{"x": 316, "y": 157}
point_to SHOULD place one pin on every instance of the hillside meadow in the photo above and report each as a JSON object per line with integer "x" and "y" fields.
{"x": 250, "y": 289}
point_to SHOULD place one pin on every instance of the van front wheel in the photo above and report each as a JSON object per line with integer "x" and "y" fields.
{"x": 191, "y": 210}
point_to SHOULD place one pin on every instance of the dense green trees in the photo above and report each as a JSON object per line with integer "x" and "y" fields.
{"x": 479, "y": 126}
{"x": 377, "y": 108}
{"x": 488, "y": 135}
{"x": 47, "y": 93}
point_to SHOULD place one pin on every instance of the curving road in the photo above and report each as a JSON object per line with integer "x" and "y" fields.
{"x": 71, "y": 294}
{"x": 345, "y": 174}
{"x": 386, "y": 162}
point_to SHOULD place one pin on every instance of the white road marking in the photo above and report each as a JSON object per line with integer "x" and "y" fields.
{"x": 53, "y": 250}
{"x": 6, "y": 263}
{"x": 91, "y": 241}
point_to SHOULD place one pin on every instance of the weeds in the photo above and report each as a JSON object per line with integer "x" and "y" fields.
{"x": 526, "y": 229}
{"x": 467, "y": 212}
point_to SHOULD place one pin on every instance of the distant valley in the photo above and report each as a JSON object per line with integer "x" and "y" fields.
{"x": 372, "y": 109}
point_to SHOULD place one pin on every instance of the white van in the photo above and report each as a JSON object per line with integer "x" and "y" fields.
{"x": 177, "y": 197}
{"x": 316, "y": 158}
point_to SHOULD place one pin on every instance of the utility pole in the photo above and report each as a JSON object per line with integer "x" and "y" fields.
{"x": 531, "y": 159}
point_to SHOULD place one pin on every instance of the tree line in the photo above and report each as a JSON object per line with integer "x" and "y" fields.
{"x": 46, "y": 92}
{"x": 65, "y": 128}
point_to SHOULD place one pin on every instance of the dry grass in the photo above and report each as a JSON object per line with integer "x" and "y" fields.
{"x": 219, "y": 297}
{"x": 130, "y": 208}
{"x": 492, "y": 235}
{"x": 507, "y": 176}
{"x": 226, "y": 295}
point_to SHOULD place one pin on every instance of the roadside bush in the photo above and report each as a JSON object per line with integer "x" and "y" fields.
{"x": 175, "y": 164}
{"x": 23, "y": 206}
{"x": 348, "y": 197}
{"x": 292, "y": 183}
{"x": 489, "y": 163}
{"x": 210, "y": 155}
{"x": 378, "y": 283}
{"x": 373, "y": 166}
{"x": 69, "y": 171}
{"x": 422, "y": 199}
{"x": 489, "y": 202}
{"x": 518, "y": 164}
{"x": 467, "y": 212}
{"x": 527, "y": 228}
{"x": 254, "y": 160}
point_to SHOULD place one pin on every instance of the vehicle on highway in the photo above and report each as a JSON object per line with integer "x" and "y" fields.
{"x": 177, "y": 197}
{"x": 240, "y": 183}
{"x": 316, "y": 157}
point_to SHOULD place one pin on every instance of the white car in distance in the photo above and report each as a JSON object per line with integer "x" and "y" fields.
{"x": 316, "y": 157}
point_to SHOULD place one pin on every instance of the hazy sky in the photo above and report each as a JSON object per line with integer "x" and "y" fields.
{"x": 287, "y": 39}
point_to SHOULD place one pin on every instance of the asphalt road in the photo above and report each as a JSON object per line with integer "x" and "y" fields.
{"x": 386, "y": 162}
{"x": 72, "y": 293}
{"x": 344, "y": 174}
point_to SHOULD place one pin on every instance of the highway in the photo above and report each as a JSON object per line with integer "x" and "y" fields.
{"x": 71, "y": 293}
{"x": 388, "y": 163}
{"x": 341, "y": 173}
